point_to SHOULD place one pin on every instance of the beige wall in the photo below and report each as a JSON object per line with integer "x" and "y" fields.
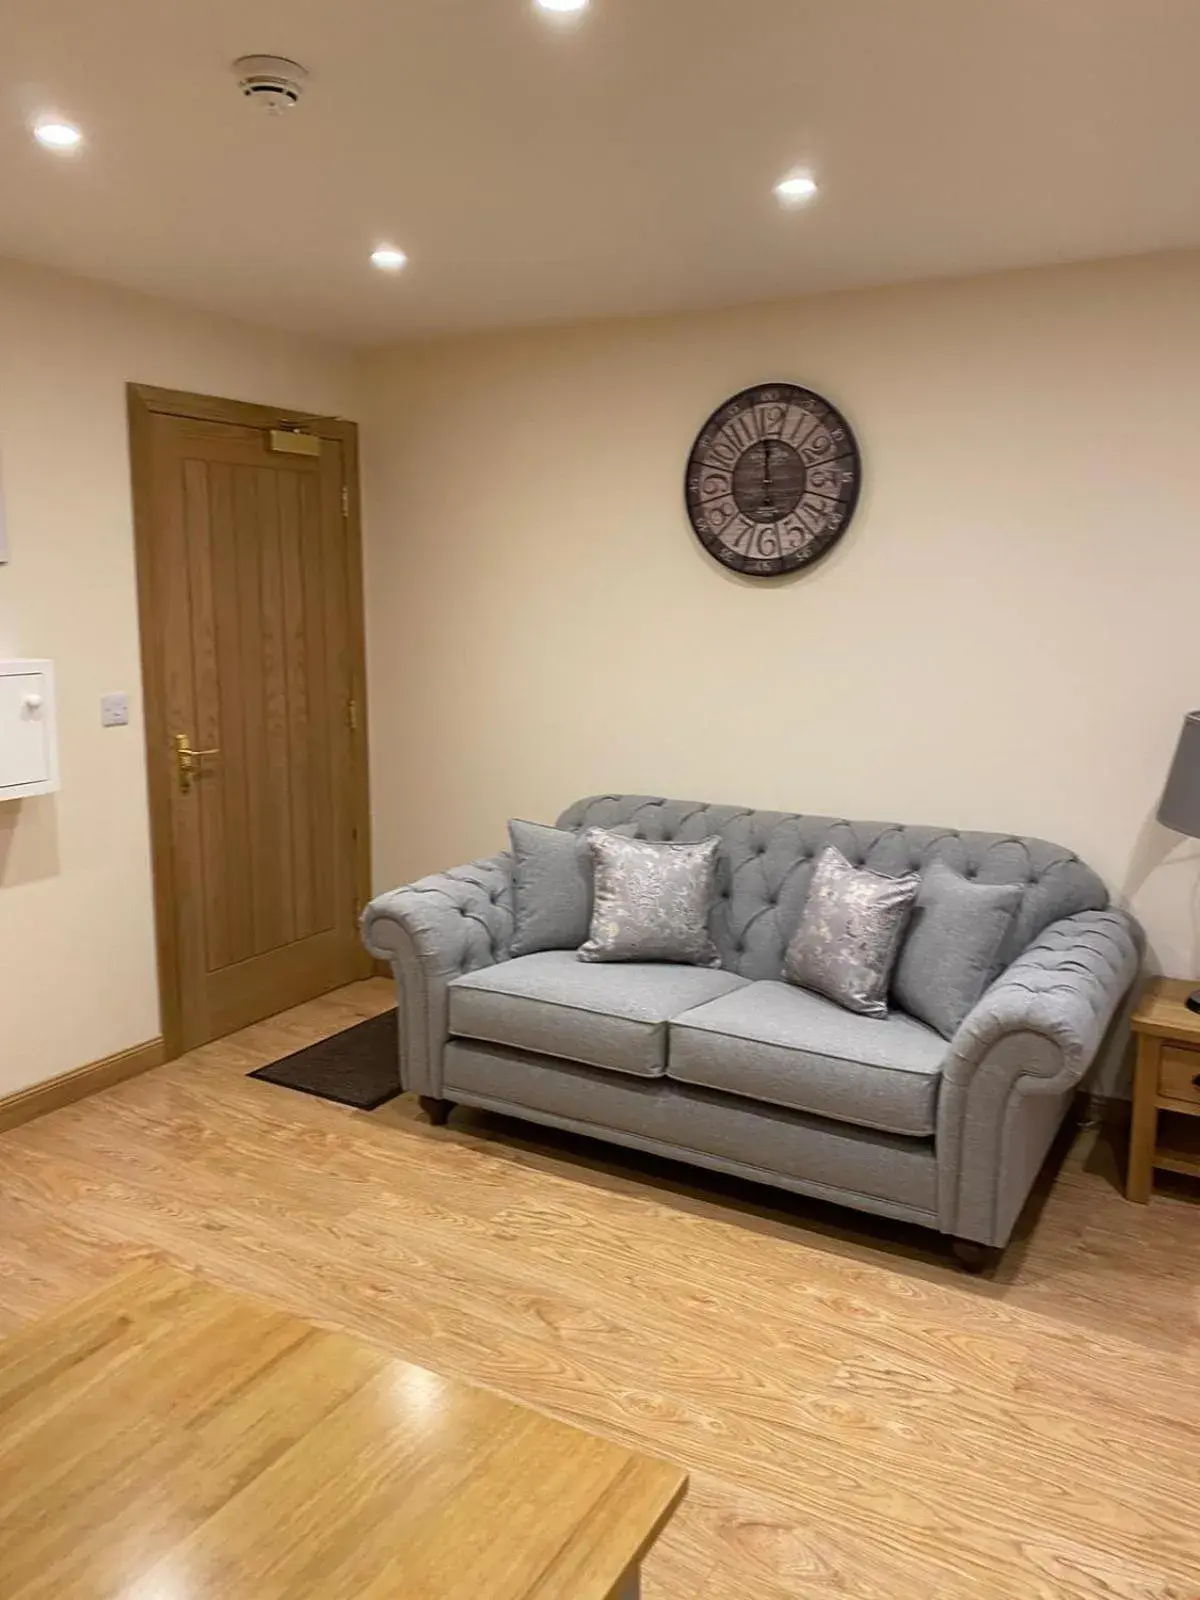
{"x": 1007, "y": 638}
{"x": 77, "y": 974}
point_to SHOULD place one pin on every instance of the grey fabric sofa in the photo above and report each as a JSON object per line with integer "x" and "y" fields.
{"x": 735, "y": 1069}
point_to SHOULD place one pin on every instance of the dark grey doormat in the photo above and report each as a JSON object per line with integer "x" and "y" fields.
{"x": 357, "y": 1067}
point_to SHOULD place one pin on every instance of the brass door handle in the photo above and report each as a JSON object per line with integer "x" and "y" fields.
{"x": 188, "y": 760}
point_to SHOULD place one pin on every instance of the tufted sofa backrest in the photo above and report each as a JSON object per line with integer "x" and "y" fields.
{"x": 767, "y": 860}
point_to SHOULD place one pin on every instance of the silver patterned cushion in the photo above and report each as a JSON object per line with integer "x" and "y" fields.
{"x": 850, "y": 932}
{"x": 652, "y": 901}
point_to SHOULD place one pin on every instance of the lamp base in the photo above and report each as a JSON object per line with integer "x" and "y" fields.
{"x": 1193, "y": 1000}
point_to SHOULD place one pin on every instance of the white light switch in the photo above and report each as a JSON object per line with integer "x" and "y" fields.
{"x": 114, "y": 710}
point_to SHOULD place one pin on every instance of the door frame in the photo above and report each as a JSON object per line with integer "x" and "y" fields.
{"x": 144, "y": 402}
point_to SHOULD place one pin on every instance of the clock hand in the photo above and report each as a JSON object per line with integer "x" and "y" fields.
{"x": 768, "y": 482}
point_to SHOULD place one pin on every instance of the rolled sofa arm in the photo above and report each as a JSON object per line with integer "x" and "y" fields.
{"x": 1016, "y": 1061}
{"x": 431, "y": 932}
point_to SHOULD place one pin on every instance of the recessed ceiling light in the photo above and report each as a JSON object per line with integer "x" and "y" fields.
{"x": 562, "y": 8}
{"x": 388, "y": 259}
{"x": 797, "y": 189}
{"x": 57, "y": 135}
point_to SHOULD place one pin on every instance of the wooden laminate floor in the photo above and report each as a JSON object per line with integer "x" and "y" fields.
{"x": 861, "y": 1420}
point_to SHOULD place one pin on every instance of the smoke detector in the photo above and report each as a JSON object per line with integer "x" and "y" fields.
{"x": 273, "y": 82}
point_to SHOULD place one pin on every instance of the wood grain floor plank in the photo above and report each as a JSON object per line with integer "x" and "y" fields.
{"x": 861, "y": 1419}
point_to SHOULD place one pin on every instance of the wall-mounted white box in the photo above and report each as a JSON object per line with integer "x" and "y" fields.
{"x": 28, "y": 740}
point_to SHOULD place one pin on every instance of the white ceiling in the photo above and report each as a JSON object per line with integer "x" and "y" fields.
{"x": 623, "y": 166}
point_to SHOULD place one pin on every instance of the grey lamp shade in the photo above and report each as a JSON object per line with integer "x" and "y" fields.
{"x": 1179, "y": 807}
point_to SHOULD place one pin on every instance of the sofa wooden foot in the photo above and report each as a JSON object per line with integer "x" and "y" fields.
{"x": 436, "y": 1110}
{"x": 974, "y": 1257}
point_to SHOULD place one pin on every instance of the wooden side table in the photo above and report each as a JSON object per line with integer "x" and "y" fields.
{"x": 1166, "y": 1091}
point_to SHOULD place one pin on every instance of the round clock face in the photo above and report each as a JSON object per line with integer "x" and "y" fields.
{"x": 773, "y": 480}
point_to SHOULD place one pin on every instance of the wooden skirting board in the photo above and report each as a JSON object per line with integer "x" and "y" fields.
{"x": 78, "y": 1084}
{"x": 1104, "y": 1110}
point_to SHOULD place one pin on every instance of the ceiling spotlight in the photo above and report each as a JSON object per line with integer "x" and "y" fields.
{"x": 56, "y": 135}
{"x": 563, "y": 8}
{"x": 388, "y": 259}
{"x": 797, "y": 189}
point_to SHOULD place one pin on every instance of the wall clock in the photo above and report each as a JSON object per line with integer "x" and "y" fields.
{"x": 773, "y": 480}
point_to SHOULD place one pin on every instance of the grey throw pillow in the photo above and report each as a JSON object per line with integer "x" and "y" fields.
{"x": 552, "y": 887}
{"x": 652, "y": 900}
{"x": 849, "y": 933}
{"x": 951, "y": 951}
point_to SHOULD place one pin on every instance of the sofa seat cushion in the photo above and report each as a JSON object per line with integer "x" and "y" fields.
{"x": 603, "y": 1015}
{"x": 775, "y": 1043}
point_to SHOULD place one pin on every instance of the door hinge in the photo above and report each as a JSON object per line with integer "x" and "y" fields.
{"x": 346, "y": 500}
{"x": 352, "y": 715}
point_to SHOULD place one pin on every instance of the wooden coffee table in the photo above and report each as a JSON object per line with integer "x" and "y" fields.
{"x": 166, "y": 1440}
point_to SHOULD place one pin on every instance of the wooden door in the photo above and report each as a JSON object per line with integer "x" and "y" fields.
{"x": 250, "y": 587}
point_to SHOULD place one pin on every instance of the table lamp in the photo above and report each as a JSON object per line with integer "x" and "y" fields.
{"x": 1179, "y": 807}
